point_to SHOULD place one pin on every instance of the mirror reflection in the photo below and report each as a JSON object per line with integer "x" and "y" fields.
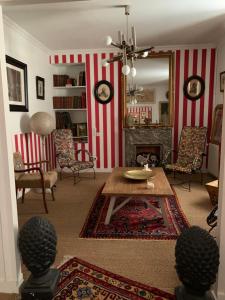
{"x": 148, "y": 96}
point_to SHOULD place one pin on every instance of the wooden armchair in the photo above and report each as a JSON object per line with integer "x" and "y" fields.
{"x": 28, "y": 175}
{"x": 66, "y": 155}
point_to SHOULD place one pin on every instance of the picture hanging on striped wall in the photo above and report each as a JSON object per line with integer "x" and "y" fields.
{"x": 194, "y": 87}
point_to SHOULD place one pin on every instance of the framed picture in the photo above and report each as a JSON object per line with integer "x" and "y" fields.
{"x": 103, "y": 91}
{"x": 194, "y": 87}
{"x": 81, "y": 129}
{"x": 164, "y": 112}
{"x": 216, "y": 132}
{"x": 40, "y": 88}
{"x": 222, "y": 81}
{"x": 17, "y": 84}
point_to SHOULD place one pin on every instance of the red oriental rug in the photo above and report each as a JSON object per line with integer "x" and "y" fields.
{"x": 81, "y": 280}
{"x": 134, "y": 220}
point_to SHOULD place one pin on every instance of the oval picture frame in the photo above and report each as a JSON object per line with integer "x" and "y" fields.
{"x": 194, "y": 87}
{"x": 103, "y": 91}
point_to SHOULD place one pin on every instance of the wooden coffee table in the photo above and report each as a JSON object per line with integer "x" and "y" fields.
{"x": 116, "y": 185}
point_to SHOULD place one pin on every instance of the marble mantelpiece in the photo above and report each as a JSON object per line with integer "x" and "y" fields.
{"x": 146, "y": 136}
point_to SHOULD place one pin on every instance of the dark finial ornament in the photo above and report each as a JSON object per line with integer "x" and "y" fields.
{"x": 197, "y": 262}
{"x": 37, "y": 244}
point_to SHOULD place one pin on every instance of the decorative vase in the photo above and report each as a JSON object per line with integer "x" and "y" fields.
{"x": 37, "y": 244}
{"x": 197, "y": 262}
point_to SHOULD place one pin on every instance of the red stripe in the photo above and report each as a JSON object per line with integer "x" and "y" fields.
{"x": 186, "y": 62}
{"x": 119, "y": 115}
{"x": 193, "y": 104}
{"x": 27, "y": 147}
{"x": 79, "y": 58}
{"x": 112, "y": 113}
{"x": 21, "y": 146}
{"x": 202, "y": 100}
{"x": 71, "y": 58}
{"x": 16, "y": 143}
{"x": 176, "y": 108}
{"x": 31, "y": 147}
{"x": 39, "y": 148}
{"x": 105, "y": 120}
{"x": 75, "y": 148}
{"x": 35, "y": 147}
{"x": 97, "y": 111}
{"x": 83, "y": 151}
{"x": 56, "y": 57}
{"x": 64, "y": 59}
{"x": 89, "y": 112}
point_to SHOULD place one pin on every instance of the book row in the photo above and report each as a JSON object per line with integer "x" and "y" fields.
{"x": 69, "y": 101}
{"x": 60, "y": 80}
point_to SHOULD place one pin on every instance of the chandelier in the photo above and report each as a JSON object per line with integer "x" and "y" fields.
{"x": 129, "y": 50}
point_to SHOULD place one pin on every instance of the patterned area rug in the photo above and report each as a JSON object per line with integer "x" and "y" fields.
{"x": 134, "y": 220}
{"x": 81, "y": 280}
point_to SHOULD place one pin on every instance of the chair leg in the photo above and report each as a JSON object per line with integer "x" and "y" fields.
{"x": 189, "y": 183}
{"x": 23, "y": 195}
{"x": 201, "y": 174}
{"x": 16, "y": 193}
{"x": 94, "y": 173}
{"x": 60, "y": 174}
{"x": 53, "y": 196}
{"x": 44, "y": 199}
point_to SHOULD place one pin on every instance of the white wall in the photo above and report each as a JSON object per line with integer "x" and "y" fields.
{"x": 23, "y": 47}
{"x": 220, "y": 67}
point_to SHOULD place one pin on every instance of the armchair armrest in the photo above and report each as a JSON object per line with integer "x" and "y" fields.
{"x": 47, "y": 162}
{"x": 166, "y": 156}
{"x": 198, "y": 161}
{"x": 91, "y": 157}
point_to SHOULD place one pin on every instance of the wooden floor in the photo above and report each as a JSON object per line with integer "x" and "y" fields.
{"x": 147, "y": 261}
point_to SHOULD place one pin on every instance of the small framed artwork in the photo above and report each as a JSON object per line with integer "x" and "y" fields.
{"x": 216, "y": 132}
{"x": 81, "y": 129}
{"x": 103, "y": 91}
{"x": 194, "y": 87}
{"x": 40, "y": 88}
{"x": 222, "y": 81}
{"x": 17, "y": 84}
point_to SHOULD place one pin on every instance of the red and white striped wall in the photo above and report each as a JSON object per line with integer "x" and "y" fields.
{"x": 33, "y": 148}
{"x": 193, "y": 113}
{"x": 104, "y": 120}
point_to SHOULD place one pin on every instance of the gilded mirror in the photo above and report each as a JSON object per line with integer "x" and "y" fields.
{"x": 148, "y": 97}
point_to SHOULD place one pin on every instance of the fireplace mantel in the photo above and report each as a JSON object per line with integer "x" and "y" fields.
{"x": 146, "y": 136}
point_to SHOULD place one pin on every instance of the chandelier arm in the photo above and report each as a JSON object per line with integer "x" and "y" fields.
{"x": 115, "y": 58}
{"x": 116, "y": 45}
{"x": 143, "y": 50}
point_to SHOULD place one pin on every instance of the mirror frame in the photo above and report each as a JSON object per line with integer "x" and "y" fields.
{"x": 163, "y": 54}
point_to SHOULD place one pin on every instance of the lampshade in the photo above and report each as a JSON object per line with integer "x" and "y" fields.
{"x": 42, "y": 123}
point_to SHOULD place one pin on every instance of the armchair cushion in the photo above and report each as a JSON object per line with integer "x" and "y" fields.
{"x": 33, "y": 180}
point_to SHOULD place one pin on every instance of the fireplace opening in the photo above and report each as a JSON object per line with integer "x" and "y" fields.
{"x": 148, "y": 154}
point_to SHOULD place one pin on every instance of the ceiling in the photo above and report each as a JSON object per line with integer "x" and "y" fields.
{"x": 84, "y": 24}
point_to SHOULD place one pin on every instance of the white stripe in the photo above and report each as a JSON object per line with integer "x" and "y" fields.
{"x": 116, "y": 121}
{"x": 181, "y": 94}
{"x": 100, "y": 116}
{"x": 92, "y": 107}
{"x": 190, "y": 73}
{"x": 108, "y": 120}
{"x": 206, "y": 104}
{"x": 199, "y": 70}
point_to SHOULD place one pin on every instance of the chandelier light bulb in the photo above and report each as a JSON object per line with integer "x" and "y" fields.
{"x": 125, "y": 69}
{"x": 145, "y": 54}
{"x": 133, "y": 71}
{"x": 105, "y": 63}
{"x": 108, "y": 40}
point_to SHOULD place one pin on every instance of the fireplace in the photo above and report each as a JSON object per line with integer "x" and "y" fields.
{"x": 146, "y": 140}
{"x": 150, "y": 154}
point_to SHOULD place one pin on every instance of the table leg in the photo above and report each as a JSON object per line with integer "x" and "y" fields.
{"x": 110, "y": 210}
{"x": 164, "y": 215}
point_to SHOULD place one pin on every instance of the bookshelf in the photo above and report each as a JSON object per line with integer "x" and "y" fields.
{"x": 69, "y": 99}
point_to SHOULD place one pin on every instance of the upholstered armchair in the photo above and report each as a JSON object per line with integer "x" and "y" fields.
{"x": 66, "y": 155}
{"x": 28, "y": 175}
{"x": 190, "y": 152}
